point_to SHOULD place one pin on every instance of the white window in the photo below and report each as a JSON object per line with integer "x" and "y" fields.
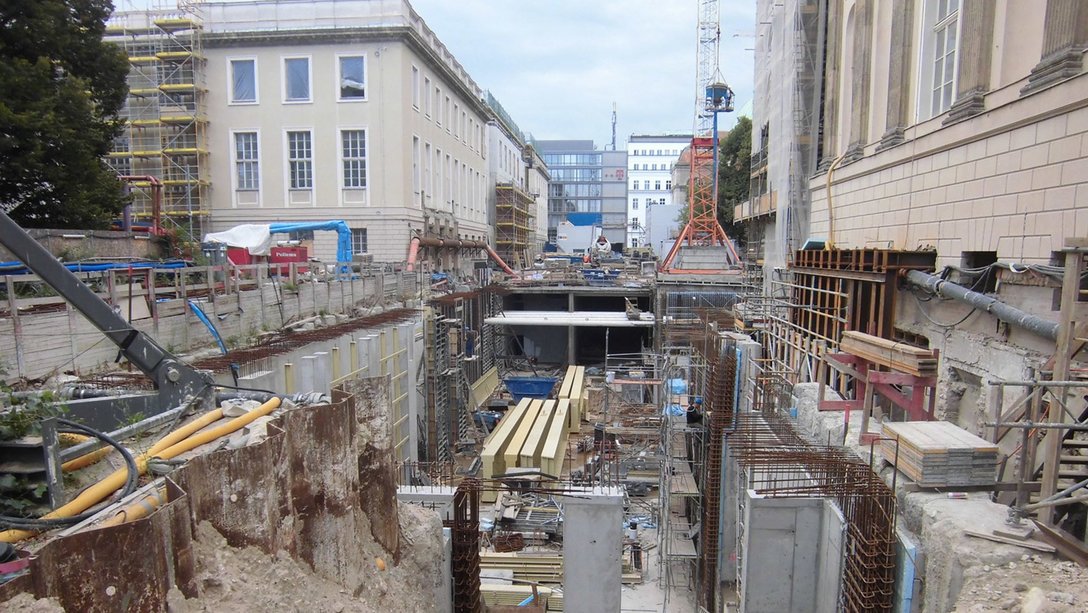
{"x": 634, "y": 185}
{"x": 358, "y": 240}
{"x": 668, "y": 184}
{"x": 657, "y": 185}
{"x": 939, "y": 50}
{"x": 352, "y": 82}
{"x": 296, "y": 79}
{"x": 243, "y": 81}
{"x": 437, "y": 101}
{"x": 415, "y": 88}
{"x": 634, "y": 204}
{"x": 300, "y": 160}
{"x": 427, "y": 96}
{"x": 428, "y": 179}
{"x": 246, "y": 161}
{"x": 446, "y": 113}
{"x": 417, "y": 181}
{"x": 456, "y": 123}
{"x": 353, "y": 158}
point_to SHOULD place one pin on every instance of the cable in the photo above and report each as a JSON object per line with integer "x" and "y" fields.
{"x": 131, "y": 480}
{"x": 922, "y": 310}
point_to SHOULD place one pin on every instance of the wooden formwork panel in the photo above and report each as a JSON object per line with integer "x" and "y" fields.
{"x": 533, "y": 448}
{"x": 554, "y": 452}
{"x": 517, "y": 438}
{"x": 492, "y": 458}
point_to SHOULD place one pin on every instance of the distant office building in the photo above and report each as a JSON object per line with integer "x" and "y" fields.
{"x": 650, "y": 162}
{"x": 585, "y": 179}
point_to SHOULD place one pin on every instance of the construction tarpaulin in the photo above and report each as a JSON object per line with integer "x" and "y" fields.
{"x": 257, "y": 238}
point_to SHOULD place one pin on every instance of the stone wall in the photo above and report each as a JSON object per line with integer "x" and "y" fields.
{"x": 70, "y": 245}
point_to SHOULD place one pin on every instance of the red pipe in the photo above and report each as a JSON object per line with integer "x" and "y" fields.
{"x": 156, "y": 198}
{"x": 442, "y": 243}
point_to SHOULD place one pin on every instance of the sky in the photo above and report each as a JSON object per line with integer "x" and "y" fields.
{"x": 558, "y": 65}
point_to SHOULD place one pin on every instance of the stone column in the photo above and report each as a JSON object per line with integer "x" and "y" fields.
{"x": 899, "y": 73}
{"x": 975, "y": 50}
{"x": 859, "y": 81}
{"x": 833, "y": 43}
{"x": 1065, "y": 37}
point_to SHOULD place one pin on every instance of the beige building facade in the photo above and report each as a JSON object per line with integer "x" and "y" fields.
{"x": 343, "y": 109}
{"x": 960, "y": 126}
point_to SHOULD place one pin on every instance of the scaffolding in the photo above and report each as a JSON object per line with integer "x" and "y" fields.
{"x": 683, "y": 449}
{"x": 515, "y": 222}
{"x": 165, "y": 118}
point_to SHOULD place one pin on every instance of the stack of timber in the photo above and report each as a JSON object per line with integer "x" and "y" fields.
{"x": 542, "y": 568}
{"x": 940, "y": 454}
{"x": 532, "y": 435}
{"x": 573, "y": 388}
{"x": 497, "y": 595}
{"x": 897, "y": 356}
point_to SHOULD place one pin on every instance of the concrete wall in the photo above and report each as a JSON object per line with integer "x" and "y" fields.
{"x": 39, "y": 345}
{"x": 592, "y": 546}
{"x": 792, "y": 555}
{"x": 70, "y": 245}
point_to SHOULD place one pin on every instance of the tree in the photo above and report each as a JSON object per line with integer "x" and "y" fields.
{"x": 61, "y": 87}
{"x": 734, "y": 171}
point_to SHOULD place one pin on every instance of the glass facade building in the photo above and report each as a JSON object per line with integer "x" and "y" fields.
{"x": 586, "y": 180}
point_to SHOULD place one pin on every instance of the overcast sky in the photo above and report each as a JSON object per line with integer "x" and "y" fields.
{"x": 558, "y": 65}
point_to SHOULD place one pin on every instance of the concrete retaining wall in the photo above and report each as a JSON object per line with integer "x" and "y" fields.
{"x": 42, "y": 344}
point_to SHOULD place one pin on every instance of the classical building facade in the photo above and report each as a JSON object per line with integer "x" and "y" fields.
{"x": 954, "y": 127}
{"x": 333, "y": 109}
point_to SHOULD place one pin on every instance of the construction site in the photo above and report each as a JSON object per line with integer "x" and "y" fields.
{"x": 876, "y": 402}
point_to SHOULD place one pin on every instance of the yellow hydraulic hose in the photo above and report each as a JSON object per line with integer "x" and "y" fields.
{"x": 168, "y": 447}
{"x": 139, "y": 509}
{"x": 175, "y": 436}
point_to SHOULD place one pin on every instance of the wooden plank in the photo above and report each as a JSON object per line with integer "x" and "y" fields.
{"x": 512, "y": 453}
{"x": 568, "y": 380}
{"x": 555, "y": 443}
{"x": 1027, "y": 544}
{"x": 492, "y": 458}
{"x": 534, "y": 444}
{"x": 577, "y": 400}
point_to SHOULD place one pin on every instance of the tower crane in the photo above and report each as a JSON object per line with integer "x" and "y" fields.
{"x": 712, "y": 96}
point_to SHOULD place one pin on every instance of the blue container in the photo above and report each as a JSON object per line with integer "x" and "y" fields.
{"x": 530, "y": 387}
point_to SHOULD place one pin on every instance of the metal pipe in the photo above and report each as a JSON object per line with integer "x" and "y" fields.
{"x": 442, "y": 243}
{"x": 1006, "y": 313}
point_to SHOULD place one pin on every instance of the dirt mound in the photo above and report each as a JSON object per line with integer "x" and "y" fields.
{"x": 247, "y": 579}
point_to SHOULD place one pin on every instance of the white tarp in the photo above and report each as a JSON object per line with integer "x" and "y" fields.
{"x": 257, "y": 238}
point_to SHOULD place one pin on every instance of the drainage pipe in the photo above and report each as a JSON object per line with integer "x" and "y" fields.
{"x": 1006, "y": 313}
{"x": 452, "y": 243}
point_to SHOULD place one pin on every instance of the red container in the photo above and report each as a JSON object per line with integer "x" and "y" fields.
{"x": 284, "y": 256}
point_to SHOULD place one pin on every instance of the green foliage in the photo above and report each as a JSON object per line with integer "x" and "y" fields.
{"x": 61, "y": 87}
{"x": 734, "y": 171}
{"x": 21, "y": 417}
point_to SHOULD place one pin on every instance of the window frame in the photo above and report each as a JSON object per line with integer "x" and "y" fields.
{"x": 932, "y": 26}
{"x": 339, "y": 77}
{"x": 309, "y": 79}
{"x": 366, "y": 241}
{"x": 256, "y": 81}
{"x": 235, "y": 160}
{"x": 415, "y": 79}
{"x": 342, "y": 175}
{"x": 288, "y": 174}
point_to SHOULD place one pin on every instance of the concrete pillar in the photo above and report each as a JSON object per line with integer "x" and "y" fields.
{"x": 1065, "y": 36}
{"x": 859, "y": 86}
{"x": 572, "y": 334}
{"x": 306, "y": 369}
{"x": 900, "y": 71}
{"x": 976, "y": 45}
{"x": 833, "y": 38}
{"x": 592, "y": 546}
{"x": 322, "y": 372}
